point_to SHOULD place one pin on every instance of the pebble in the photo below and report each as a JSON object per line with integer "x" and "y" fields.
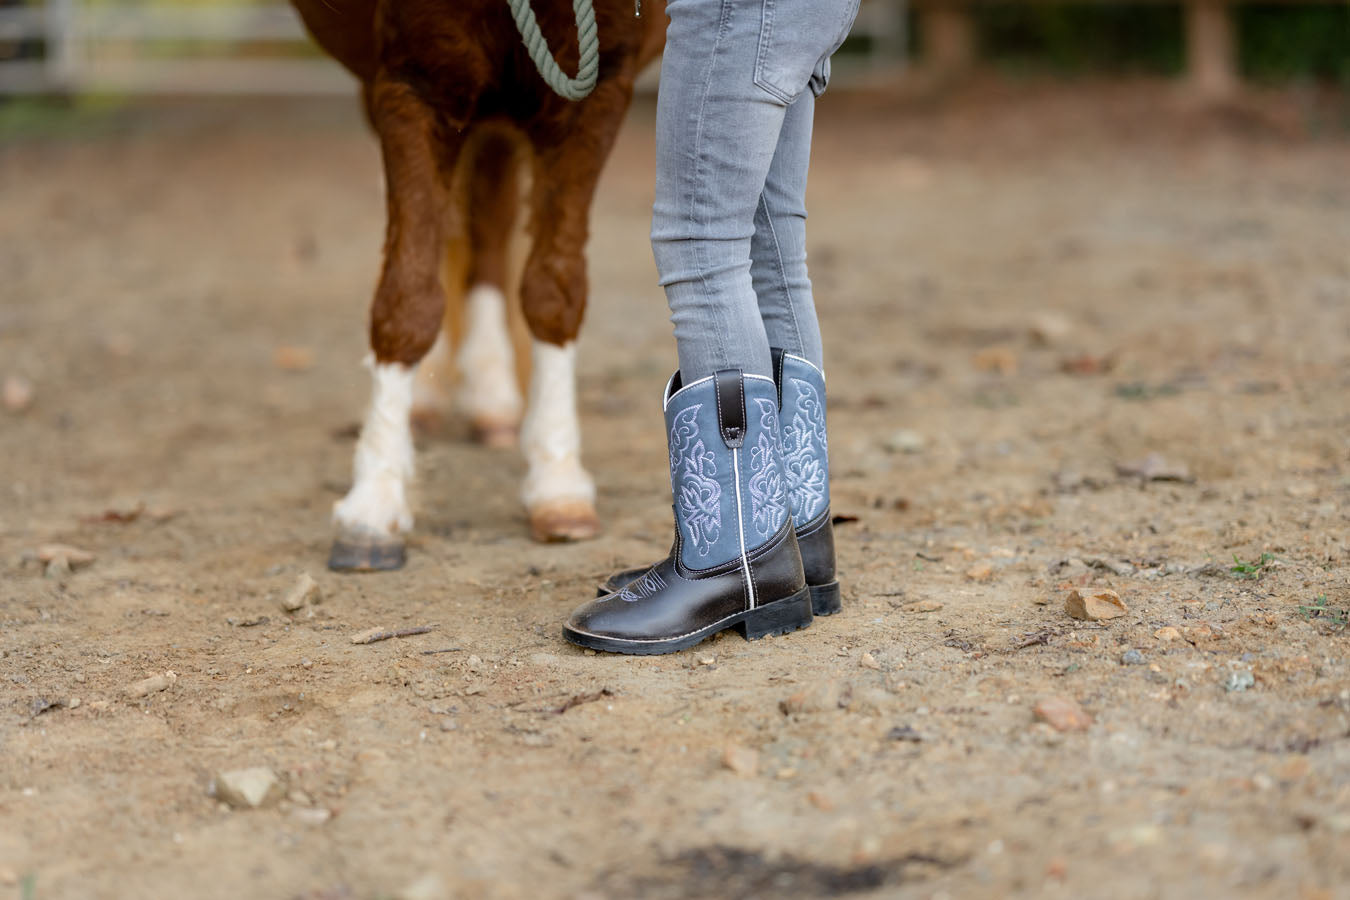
{"x": 706, "y": 660}
{"x": 293, "y": 359}
{"x": 1239, "y": 681}
{"x": 311, "y": 815}
{"x": 18, "y": 393}
{"x": 924, "y": 606}
{"x": 1132, "y": 658}
{"x": 1062, "y": 714}
{"x": 741, "y": 760}
{"x": 251, "y": 788}
{"x": 152, "y": 685}
{"x": 868, "y": 661}
{"x": 428, "y": 887}
{"x": 62, "y": 559}
{"x": 819, "y": 697}
{"x": 1167, "y": 634}
{"x": 299, "y": 797}
{"x": 305, "y": 590}
{"x": 906, "y": 440}
{"x": 1094, "y": 607}
{"x": 8, "y": 876}
{"x": 1049, "y": 328}
{"x": 820, "y": 801}
{"x": 904, "y": 733}
{"x": 982, "y": 572}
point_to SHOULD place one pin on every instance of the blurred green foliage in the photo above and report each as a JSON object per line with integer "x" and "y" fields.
{"x": 1275, "y": 42}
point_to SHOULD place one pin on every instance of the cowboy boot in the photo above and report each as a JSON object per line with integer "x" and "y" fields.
{"x": 801, "y": 403}
{"x": 735, "y": 562}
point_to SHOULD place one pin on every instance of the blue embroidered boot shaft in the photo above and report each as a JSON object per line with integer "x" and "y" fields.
{"x": 726, "y": 503}
{"x": 806, "y": 464}
{"x": 735, "y": 561}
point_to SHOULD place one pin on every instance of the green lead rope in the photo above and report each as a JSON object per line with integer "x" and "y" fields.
{"x": 588, "y": 37}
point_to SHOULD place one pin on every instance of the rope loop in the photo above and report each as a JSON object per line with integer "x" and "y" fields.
{"x": 588, "y": 37}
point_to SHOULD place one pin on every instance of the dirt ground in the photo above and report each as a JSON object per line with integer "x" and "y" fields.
{"x": 1023, "y": 288}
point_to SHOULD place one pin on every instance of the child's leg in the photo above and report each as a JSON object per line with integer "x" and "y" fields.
{"x": 778, "y": 248}
{"x": 716, "y": 133}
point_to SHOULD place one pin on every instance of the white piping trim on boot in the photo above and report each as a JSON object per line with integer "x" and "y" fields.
{"x": 740, "y": 524}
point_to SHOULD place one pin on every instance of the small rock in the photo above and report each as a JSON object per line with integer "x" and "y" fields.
{"x": 1048, "y": 328}
{"x": 996, "y": 359}
{"x": 293, "y": 359}
{"x": 868, "y": 661}
{"x": 741, "y": 760}
{"x": 62, "y": 559}
{"x": 1131, "y": 658}
{"x": 820, "y": 801}
{"x": 1167, "y": 634}
{"x": 152, "y": 685}
{"x": 249, "y": 788}
{"x": 982, "y": 572}
{"x": 1062, "y": 714}
{"x": 1154, "y": 467}
{"x": 906, "y": 440}
{"x": 299, "y": 797}
{"x": 17, "y": 393}
{"x": 428, "y": 887}
{"x": 904, "y": 733}
{"x": 73, "y": 703}
{"x": 311, "y": 815}
{"x": 924, "y": 606}
{"x": 1094, "y": 607}
{"x": 706, "y": 660}
{"x": 821, "y": 696}
{"x": 1239, "y": 681}
{"x": 305, "y": 590}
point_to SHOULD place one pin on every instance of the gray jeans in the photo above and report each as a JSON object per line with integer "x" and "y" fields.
{"x": 733, "y": 143}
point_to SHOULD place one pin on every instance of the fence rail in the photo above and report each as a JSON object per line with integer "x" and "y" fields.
{"x": 75, "y": 39}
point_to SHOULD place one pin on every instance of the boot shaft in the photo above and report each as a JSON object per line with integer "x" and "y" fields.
{"x": 726, "y": 474}
{"x": 806, "y": 462}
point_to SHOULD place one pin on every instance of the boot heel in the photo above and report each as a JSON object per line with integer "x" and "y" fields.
{"x": 778, "y": 617}
{"x": 825, "y": 599}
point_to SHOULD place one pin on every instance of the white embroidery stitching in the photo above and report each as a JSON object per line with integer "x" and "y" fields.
{"x": 805, "y": 449}
{"x": 768, "y": 495}
{"x": 697, "y": 494}
{"x": 643, "y": 588}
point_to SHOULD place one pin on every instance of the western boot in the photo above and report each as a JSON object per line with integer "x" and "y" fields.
{"x": 800, "y": 388}
{"x": 735, "y": 562}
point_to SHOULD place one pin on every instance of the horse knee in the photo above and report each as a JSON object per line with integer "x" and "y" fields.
{"x": 553, "y": 297}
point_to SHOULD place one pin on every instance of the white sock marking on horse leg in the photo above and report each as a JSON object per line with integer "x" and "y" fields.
{"x": 377, "y": 504}
{"x": 551, "y": 435}
{"x": 489, "y": 393}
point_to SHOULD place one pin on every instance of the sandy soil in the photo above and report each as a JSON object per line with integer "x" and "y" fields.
{"x": 1022, "y": 289}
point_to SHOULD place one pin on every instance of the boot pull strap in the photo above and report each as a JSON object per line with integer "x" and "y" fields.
{"x": 778, "y": 354}
{"x": 730, "y": 385}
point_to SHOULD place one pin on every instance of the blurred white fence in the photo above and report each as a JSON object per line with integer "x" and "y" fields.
{"x": 78, "y": 46}
{"x": 105, "y": 47}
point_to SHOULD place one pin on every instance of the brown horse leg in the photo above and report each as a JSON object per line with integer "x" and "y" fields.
{"x": 489, "y": 392}
{"x": 558, "y": 492}
{"x": 405, "y": 319}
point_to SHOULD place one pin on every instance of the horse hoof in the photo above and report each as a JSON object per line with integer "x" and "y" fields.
{"x": 498, "y": 435}
{"x": 361, "y": 554}
{"x": 568, "y": 520}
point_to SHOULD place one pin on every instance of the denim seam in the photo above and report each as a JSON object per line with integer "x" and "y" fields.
{"x": 699, "y": 167}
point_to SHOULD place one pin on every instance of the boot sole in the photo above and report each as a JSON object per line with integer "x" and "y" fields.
{"x": 825, "y": 599}
{"x": 778, "y": 617}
